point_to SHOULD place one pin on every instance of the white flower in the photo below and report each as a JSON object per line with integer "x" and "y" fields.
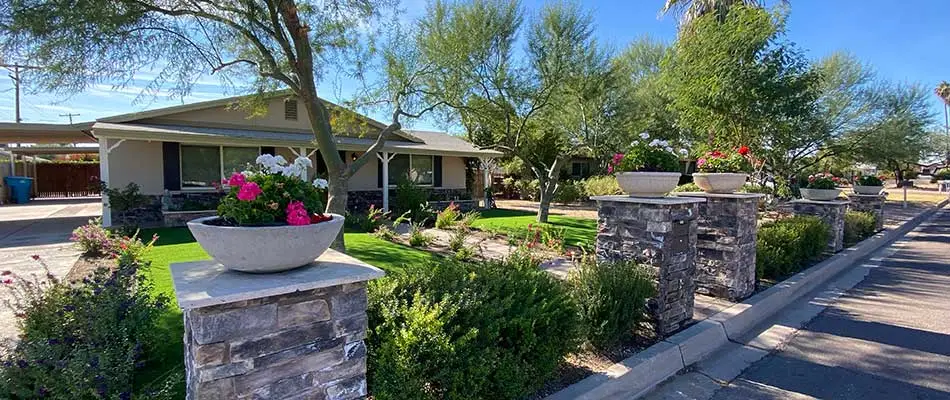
{"x": 265, "y": 160}
{"x": 280, "y": 160}
{"x": 684, "y": 152}
{"x": 664, "y": 143}
{"x": 303, "y": 162}
{"x": 668, "y": 148}
{"x": 634, "y": 143}
{"x": 655, "y": 143}
{"x": 644, "y": 135}
{"x": 320, "y": 183}
{"x": 293, "y": 170}
{"x": 247, "y": 174}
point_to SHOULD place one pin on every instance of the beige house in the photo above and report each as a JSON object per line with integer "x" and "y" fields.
{"x": 177, "y": 154}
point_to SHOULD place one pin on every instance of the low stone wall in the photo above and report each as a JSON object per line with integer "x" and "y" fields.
{"x": 360, "y": 200}
{"x": 181, "y": 218}
{"x": 873, "y": 204}
{"x": 832, "y": 212}
{"x": 147, "y": 216}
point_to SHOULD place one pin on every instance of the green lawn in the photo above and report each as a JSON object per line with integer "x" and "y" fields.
{"x": 579, "y": 232}
{"x": 177, "y": 245}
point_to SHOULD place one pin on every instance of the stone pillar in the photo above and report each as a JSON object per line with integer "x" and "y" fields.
{"x": 832, "y": 212}
{"x": 873, "y": 204}
{"x": 725, "y": 262}
{"x": 291, "y": 335}
{"x": 660, "y": 232}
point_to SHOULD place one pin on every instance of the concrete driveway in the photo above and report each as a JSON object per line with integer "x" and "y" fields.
{"x": 42, "y": 228}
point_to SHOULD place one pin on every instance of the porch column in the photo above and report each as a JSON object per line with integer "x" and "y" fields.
{"x": 303, "y": 153}
{"x": 486, "y": 175}
{"x": 104, "y": 178}
{"x": 385, "y": 157}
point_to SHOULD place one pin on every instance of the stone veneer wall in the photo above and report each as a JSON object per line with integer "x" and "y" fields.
{"x": 148, "y": 215}
{"x": 725, "y": 266}
{"x": 359, "y": 200}
{"x": 832, "y": 212}
{"x": 873, "y": 204}
{"x": 303, "y": 345}
{"x": 663, "y": 236}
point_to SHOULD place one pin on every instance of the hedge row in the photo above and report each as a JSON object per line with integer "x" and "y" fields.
{"x": 858, "y": 225}
{"x": 787, "y": 246}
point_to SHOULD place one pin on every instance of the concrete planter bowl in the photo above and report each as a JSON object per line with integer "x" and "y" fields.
{"x": 867, "y": 190}
{"x": 648, "y": 184}
{"x": 820, "y": 194}
{"x": 265, "y": 249}
{"x": 723, "y": 183}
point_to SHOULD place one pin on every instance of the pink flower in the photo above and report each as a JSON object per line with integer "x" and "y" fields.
{"x": 8, "y": 281}
{"x": 610, "y": 169}
{"x": 249, "y": 191}
{"x": 237, "y": 180}
{"x": 617, "y": 158}
{"x": 297, "y": 214}
{"x": 700, "y": 162}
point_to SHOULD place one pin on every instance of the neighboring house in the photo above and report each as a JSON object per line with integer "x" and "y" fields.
{"x": 932, "y": 168}
{"x": 177, "y": 154}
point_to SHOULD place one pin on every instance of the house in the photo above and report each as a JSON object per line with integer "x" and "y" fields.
{"x": 177, "y": 154}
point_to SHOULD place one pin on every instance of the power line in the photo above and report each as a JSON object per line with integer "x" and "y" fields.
{"x": 15, "y": 76}
{"x": 70, "y": 115}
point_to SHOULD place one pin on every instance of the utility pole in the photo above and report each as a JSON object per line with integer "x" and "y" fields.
{"x": 15, "y": 76}
{"x": 70, "y": 115}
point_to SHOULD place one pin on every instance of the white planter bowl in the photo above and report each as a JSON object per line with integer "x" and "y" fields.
{"x": 648, "y": 184}
{"x": 820, "y": 194}
{"x": 265, "y": 249}
{"x": 870, "y": 190}
{"x": 719, "y": 182}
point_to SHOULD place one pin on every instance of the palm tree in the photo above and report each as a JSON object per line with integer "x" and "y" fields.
{"x": 943, "y": 91}
{"x": 689, "y": 10}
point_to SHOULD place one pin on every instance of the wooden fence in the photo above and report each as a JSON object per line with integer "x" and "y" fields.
{"x": 65, "y": 179}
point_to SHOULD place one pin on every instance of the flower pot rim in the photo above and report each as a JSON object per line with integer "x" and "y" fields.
{"x": 649, "y": 172}
{"x": 204, "y": 222}
{"x": 720, "y": 173}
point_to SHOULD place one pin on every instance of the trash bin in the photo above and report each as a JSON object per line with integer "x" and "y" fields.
{"x": 19, "y": 188}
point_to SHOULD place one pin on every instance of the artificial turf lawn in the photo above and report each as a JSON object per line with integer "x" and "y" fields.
{"x": 578, "y": 232}
{"x": 177, "y": 245}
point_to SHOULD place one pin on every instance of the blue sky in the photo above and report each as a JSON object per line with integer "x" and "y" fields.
{"x": 903, "y": 40}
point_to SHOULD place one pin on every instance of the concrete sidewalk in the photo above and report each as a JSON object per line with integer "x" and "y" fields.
{"x": 882, "y": 333}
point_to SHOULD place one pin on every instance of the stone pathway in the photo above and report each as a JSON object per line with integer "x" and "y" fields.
{"x": 39, "y": 228}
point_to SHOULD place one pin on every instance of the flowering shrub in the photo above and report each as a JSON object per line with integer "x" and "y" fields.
{"x": 718, "y": 162}
{"x": 92, "y": 239}
{"x": 654, "y": 156}
{"x": 870, "y": 180}
{"x": 446, "y": 218}
{"x": 273, "y": 192}
{"x": 824, "y": 180}
{"x": 84, "y": 340}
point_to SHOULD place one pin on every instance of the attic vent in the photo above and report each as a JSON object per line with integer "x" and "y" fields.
{"x": 290, "y": 109}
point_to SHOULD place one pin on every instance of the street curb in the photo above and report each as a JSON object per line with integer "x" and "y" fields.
{"x": 637, "y": 375}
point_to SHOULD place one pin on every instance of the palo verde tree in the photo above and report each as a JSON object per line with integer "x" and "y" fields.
{"x": 507, "y": 97}
{"x": 256, "y": 45}
{"x": 690, "y": 10}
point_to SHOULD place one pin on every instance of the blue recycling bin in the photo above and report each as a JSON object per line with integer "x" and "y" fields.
{"x": 19, "y": 188}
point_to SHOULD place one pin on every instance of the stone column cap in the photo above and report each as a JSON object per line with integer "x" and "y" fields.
{"x": 206, "y": 283}
{"x": 831, "y": 202}
{"x": 669, "y": 201}
{"x": 722, "y": 195}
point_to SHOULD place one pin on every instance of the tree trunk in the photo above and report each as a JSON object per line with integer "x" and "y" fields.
{"x": 337, "y": 194}
{"x": 548, "y": 189}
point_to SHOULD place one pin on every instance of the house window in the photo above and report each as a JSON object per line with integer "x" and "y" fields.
{"x": 290, "y": 109}
{"x": 203, "y": 166}
{"x": 580, "y": 169}
{"x": 416, "y": 168}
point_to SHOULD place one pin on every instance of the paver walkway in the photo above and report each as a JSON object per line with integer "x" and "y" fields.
{"x": 886, "y": 338}
{"x": 39, "y": 228}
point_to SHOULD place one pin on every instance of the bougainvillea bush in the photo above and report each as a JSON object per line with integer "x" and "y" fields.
{"x": 824, "y": 180}
{"x": 716, "y": 161}
{"x": 273, "y": 193}
{"x": 643, "y": 156}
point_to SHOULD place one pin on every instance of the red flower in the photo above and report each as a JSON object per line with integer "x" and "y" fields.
{"x": 744, "y": 150}
{"x": 716, "y": 154}
{"x": 8, "y": 281}
{"x": 35, "y": 257}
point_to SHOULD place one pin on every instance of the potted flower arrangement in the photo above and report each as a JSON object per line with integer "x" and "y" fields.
{"x": 271, "y": 220}
{"x": 822, "y": 187}
{"x": 868, "y": 184}
{"x": 647, "y": 169}
{"x": 721, "y": 172}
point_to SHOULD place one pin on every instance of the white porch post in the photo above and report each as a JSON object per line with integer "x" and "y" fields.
{"x": 385, "y": 157}
{"x": 486, "y": 174}
{"x": 104, "y": 177}
{"x": 303, "y": 153}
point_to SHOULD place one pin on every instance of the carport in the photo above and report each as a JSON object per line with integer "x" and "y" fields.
{"x": 23, "y": 143}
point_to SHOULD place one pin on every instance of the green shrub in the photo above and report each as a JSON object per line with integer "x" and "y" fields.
{"x": 125, "y": 199}
{"x": 384, "y": 232}
{"x": 612, "y": 299}
{"x": 92, "y": 239}
{"x": 568, "y": 192}
{"x": 418, "y": 238}
{"x": 940, "y": 176}
{"x": 446, "y": 218}
{"x": 453, "y": 330}
{"x": 790, "y": 245}
{"x": 528, "y": 190}
{"x": 84, "y": 340}
{"x": 457, "y": 240}
{"x": 468, "y": 219}
{"x": 413, "y": 199}
{"x": 687, "y": 187}
{"x": 601, "y": 186}
{"x": 858, "y": 225}
{"x": 369, "y": 222}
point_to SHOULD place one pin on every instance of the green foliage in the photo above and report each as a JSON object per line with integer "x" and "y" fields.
{"x": 467, "y": 220}
{"x": 457, "y": 240}
{"x": 601, "y": 186}
{"x": 569, "y": 192}
{"x": 452, "y": 330}
{"x": 612, "y": 299}
{"x": 418, "y": 238}
{"x": 869, "y": 180}
{"x": 464, "y": 253}
{"x": 787, "y": 246}
{"x": 655, "y": 156}
{"x": 384, "y": 232}
{"x": 277, "y": 191}
{"x": 528, "y": 189}
{"x": 447, "y": 218}
{"x": 369, "y": 222}
{"x": 125, "y": 199}
{"x": 92, "y": 239}
{"x": 940, "y": 176}
{"x": 858, "y": 225}
{"x": 687, "y": 187}
{"x": 413, "y": 199}
{"x": 84, "y": 340}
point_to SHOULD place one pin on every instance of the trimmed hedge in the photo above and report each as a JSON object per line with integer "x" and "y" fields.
{"x": 858, "y": 225}
{"x": 453, "y": 330}
{"x": 790, "y": 245}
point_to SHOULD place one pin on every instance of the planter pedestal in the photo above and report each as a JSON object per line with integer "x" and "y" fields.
{"x": 873, "y": 204}
{"x": 832, "y": 212}
{"x": 660, "y": 232}
{"x": 289, "y": 335}
{"x": 725, "y": 262}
